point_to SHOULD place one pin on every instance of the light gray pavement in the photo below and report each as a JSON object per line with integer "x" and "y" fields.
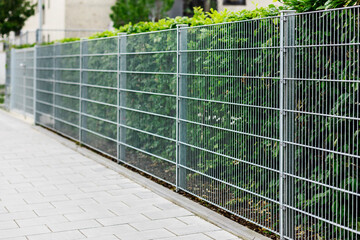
{"x": 49, "y": 191}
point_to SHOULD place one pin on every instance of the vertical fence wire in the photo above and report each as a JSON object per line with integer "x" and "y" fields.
{"x": 258, "y": 117}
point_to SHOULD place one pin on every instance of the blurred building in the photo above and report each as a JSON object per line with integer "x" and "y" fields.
{"x": 67, "y": 19}
{"x": 237, "y": 5}
{"x": 82, "y": 18}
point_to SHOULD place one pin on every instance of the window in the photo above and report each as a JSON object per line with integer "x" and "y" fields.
{"x": 234, "y": 2}
{"x": 43, "y": 15}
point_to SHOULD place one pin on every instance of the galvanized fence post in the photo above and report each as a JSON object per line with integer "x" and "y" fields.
{"x": 181, "y": 90}
{"x": 286, "y": 36}
{"x": 122, "y": 96}
{"x": 83, "y": 50}
{"x": 118, "y": 100}
{"x": 289, "y": 120}
{"x": 23, "y": 71}
{"x": 12, "y": 77}
{"x": 35, "y": 83}
{"x": 54, "y": 84}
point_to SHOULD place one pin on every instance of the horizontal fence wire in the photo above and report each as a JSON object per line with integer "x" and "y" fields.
{"x": 260, "y": 118}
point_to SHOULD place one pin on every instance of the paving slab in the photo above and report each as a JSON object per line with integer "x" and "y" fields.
{"x": 50, "y": 191}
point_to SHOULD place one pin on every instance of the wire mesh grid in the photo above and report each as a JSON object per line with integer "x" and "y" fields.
{"x": 229, "y": 115}
{"x": 147, "y": 88}
{"x": 22, "y": 84}
{"x": 99, "y": 94}
{"x": 322, "y": 125}
{"x": 258, "y": 117}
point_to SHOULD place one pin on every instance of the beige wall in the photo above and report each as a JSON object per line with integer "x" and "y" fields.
{"x": 250, "y": 5}
{"x": 88, "y": 14}
{"x": 54, "y": 18}
{"x": 68, "y": 14}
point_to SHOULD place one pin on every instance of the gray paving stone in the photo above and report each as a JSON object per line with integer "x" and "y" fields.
{"x": 26, "y": 207}
{"x": 168, "y": 213}
{"x": 59, "y": 211}
{"x": 69, "y": 235}
{"x": 190, "y": 229}
{"x": 132, "y": 218}
{"x": 41, "y": 221}
{"x": 10, "y": 224}
{"x": 25, "y": 231}
{"x": 59, "y": 227}
{"x": 104, "y": 237}
{"x": 98, "y": 232}
{"x": 198, "y": 236}
{"x": 17, "y": 215}
{"x": 220, "y": 235}
{"x": 89, "y": 215}
{"x": 49, "y": 191}
{"x": 17, "y": 238}
{"x": 145, "y": 235}
{"x": 158, "y": 224}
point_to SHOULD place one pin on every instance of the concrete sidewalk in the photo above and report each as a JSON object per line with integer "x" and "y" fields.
{"x": 49, "y": 191}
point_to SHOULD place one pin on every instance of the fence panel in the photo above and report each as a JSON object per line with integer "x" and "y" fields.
{"x": 323, "y": 125}
{"x": 229, "y": 117}
{"x": 66, "y": 89}
{"x": 148, "y": 65}
{"x": 99, "y": 94}
{"x": 22, "y": 81}
{"x": 45, "y": 75}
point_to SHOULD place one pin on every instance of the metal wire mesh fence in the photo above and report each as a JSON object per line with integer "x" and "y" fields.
{"x": 258, "y": 117}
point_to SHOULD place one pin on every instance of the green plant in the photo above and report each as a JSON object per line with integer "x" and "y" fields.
{"x": 2, "y": 94}
{"x": 13, "y": 15}
{"x": 312, "y": 5}
{"x": 125, "y": 11}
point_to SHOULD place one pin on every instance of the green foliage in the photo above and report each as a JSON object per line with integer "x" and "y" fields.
{"x": 23, "y": 46}
{"x": 2, "y": 94}
{"x": 312, "y": 5}
{"x": 200, "y": 18}
{"x": 13, "y": 14}
{"x": 133, "y": 11}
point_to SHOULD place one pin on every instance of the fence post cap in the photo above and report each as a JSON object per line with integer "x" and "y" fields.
{"x": 182, "y": 25}
{"x": 122, "y": 34}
